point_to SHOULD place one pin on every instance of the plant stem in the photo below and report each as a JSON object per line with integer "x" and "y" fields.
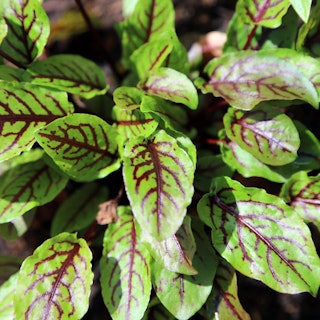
{"x": 250, "y": 37}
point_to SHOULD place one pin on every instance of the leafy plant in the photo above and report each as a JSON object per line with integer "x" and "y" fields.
{"x": 186, "y": 219}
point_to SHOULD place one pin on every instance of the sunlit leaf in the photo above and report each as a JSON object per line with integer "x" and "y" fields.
{"x": 125, "y": 270}
{"x": 260, "y": 236}
{"x": 8, "y": 266}
{"x": 265, "y": 13}
{"x": 302, "y": 8}
{"x": 82, "y": 145}
{"x": 177, "y": 292}
{"x": 158, "y": 176}
{"x": 149, "y": 20}
{"x": 7, "y": 291}
{"x": 80, "y": 209}
{"x": 246, "y": 78}
{"x": 303, "y": 194}
{"x": 26, "y": 186}
{"x": 70, "y": 73}
{"x": 223, "y": 302}
{"x": 54, "y": 283}
{"x": 176, "y": 252}
{"x": 24, "y": 108}
{"x": 128, "y": 98}
{"x": 3, "y": 28}
{"x": 28, "y": 31}
{"x": 171, "y": 85}
{"x": 266, "y": 133}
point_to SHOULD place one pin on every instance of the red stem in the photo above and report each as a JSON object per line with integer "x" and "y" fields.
{"x": 250, "y": 37}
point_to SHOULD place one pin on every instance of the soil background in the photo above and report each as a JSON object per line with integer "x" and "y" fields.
{"x": 194, "y": 18}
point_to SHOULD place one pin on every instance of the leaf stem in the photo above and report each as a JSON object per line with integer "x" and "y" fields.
{"x": 216, "y": 141}
{"x": 250, "y": 37}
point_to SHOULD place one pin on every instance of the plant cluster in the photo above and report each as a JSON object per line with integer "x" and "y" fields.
{"x": 182, "y": 139}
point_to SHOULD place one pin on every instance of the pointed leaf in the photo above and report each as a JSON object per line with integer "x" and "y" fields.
{"x": 174, "y": 116}
{"x": 7, "y": 291}
{"x": 133, "y": 123}
{"x": 128, "y": 98}
{"x": 125, "y": 270}
{"x": 171, "y": 85}
{"x": 158, "y": 176}
{"x": 82, "y": 145}
{"x": 151, "y": 55}
{"x": 260, "y": 236}
{"x": 149, "y": 20}
{"x": 54, "y": 283}
{"x": 28, "y": 31}
{"x": 80, "y": 209}
{"x": 176, "y": 252}
{"x": 303, "y": 194}
{"x": 8, "y": 266}
{"x": 223, "y": 302}
{"x": 265, "y": 13}
{"x": 184, "y": 295}
{"x": 246, "y": 78}
{"x": 266, "y": 133}
{"x": 302, "y": 8}
{"x": 70, "y": 73}
{"x": 26, "y": 186}
{"x": 24, "y": 108}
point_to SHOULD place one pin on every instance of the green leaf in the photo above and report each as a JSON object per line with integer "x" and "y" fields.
{"x": 176, "y": 291}
{"x": 265, "y": 132}
{"x": 223, "y": 302}
{"x": 209, "y": 167}
{"x": 302, "y": 8}
{"x": 70, "y": 73}
{"x": 54, "y": 283}
{"x": 17, "y": 227}
{"x": 7, "y": 291}
{"x": 158, "y": 175}
{"x": 28, "y": 31}
{"x": 261, "y": 237}
{"x": 151, "y": 55}
{"x": 26, "y": 186}
{"x": 3, "y": 29}
{"x": 176, "y": 252}
{"x": 171, "y": 85}
{"x": 125, "y": 270}
{"x": 303, "y": 194}
{"x": 149, "y": 20}
{"x": 24, "y": 108}
{"x": 264, "y": 13}
{"x": 128, "y": 98}
{"x": 246, "y": 78}
{"x": 82, "y": 145}
{"x": 133, "y": 123}
{"x": 9, "y": 73}
{"x": 80, "y": 209}
{"x": 8, "y": 266}
{"x": 174, "y": 116}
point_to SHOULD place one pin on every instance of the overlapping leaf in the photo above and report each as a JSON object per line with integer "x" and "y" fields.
{"x": 3, "y": 28}
{"x": 28, "y": 30}
{"x": 171, "y": 85}
{"x": 223, "y": 302}
{"x": 265, "y": 13}
{"x": 302, "y": 8}
{"x": 9, "y": 73}
{"x": 54, "y": 283}
{"x": 158, "y": 176}
{"x": 303, "y": 194}
{"x": 149, "y": 20}
{"x": 24, "y": 108}
{"x": 260, "y": 236}
{"x": 82, "y": 145}
{"x": 26, "y": 186}
{"x": 7, "y": 291}
{"x": 128, "y": 98}
{"x": 8, "y": 266}
{"x": 80, "y": 209}
{"x": 177, "y": 292}
{"x": 125, "y": 270}
{"x": 70, "y": 73}
{"x": 266, "y": 133}
{"x": 246, "y": 78}
{"x": 176, "y": 252}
